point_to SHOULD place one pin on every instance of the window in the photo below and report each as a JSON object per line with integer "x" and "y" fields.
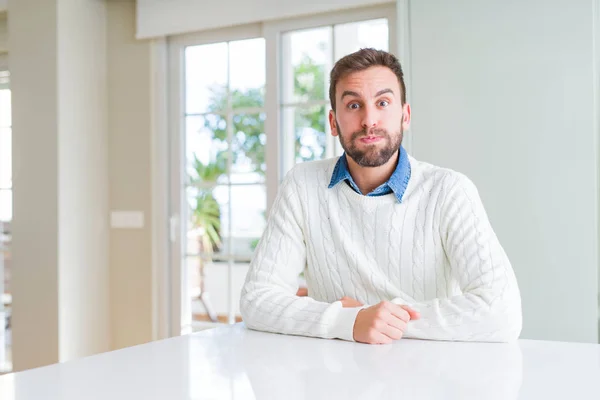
{"x": 247, "y": 103}
{"x": 225, "y": 160}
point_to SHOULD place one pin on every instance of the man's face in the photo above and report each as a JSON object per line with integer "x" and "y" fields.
{"x": 369, "y": 117}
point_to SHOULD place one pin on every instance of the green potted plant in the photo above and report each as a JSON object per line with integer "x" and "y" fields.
{"x": 206, "y": 218}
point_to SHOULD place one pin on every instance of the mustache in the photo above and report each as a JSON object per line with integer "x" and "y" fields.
{"x": 371, "y": 132}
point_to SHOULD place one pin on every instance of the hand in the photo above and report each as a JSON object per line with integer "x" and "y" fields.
{"x": 349, "y": 302}
{"x": 382, "y": 323}
{"x": 302, "y": 292}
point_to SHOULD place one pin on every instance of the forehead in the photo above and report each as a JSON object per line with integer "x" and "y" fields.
{"x": 369, "y": 81}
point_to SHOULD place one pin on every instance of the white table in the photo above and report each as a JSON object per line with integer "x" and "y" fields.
{"x": 234, "y": 363}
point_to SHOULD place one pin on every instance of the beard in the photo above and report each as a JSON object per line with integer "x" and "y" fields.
{"x": 373, "y": 155}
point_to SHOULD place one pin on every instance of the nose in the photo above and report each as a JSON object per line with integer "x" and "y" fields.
{"x": 369, "y": 118}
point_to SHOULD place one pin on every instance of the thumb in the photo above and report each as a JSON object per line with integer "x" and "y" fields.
{"x": 414, "y": 314}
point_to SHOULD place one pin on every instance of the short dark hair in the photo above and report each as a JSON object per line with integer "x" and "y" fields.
{"x": 361, "y": 60}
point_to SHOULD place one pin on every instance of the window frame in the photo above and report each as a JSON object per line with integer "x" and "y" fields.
{"x": 178, "y": 254}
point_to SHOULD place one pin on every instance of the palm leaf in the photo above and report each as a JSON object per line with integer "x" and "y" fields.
{"x": 207, "y": 215}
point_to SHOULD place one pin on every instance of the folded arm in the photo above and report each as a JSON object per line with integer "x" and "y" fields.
{"x": 268, "y": 300}
{"x": 489, "y": 307}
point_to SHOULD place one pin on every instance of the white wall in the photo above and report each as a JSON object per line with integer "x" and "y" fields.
{"x": 83, "y": 179}
{"x": 87, "y": 288}
{"x": 504, "y": 92}
{"x": 160, "y": 17}
{"x": 60, "y": 235}
{"x": 129, "y": 122}
{"x": 34, "y": 277}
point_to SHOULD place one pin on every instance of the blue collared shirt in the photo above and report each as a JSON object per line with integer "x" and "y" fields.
{"x": 396, "y": 184}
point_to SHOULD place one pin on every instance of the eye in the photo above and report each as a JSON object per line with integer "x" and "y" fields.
{"x": 353, "y": 106}
{"x": 384, "y": 103}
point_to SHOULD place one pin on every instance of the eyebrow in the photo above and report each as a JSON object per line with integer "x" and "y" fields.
{"x": 383, "y": 91}
{"x": 351, "y": 93}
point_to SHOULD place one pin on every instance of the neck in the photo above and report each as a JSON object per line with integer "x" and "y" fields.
{"x": 369, "y": 178}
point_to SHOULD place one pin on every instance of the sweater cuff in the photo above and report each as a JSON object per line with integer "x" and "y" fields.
{"x": 343, "y": 326}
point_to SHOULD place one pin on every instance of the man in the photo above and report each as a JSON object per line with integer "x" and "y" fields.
{"x": 391, "y": 246}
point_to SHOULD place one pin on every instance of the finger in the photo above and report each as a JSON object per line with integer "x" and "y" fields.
{"x": 393, "y": 332}
{"x": 398, "y": 312}
{"x": 414, "y": 314}
{"x": 395, "y": 322}
{"x": 380, "y": 338}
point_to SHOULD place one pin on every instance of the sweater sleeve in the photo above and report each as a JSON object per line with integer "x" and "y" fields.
{"x": 489, "y": 306}
{"x": 268, "y": 300}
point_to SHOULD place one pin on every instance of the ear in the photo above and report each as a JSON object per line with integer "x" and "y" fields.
{"x": 406, "y": 116}
{"x": 332, "y": 123}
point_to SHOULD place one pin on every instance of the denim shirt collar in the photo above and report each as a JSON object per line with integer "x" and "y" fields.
{"x": 396, "y": 184}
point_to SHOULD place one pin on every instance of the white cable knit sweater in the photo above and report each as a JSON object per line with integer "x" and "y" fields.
{"x": 436, "y": 252}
